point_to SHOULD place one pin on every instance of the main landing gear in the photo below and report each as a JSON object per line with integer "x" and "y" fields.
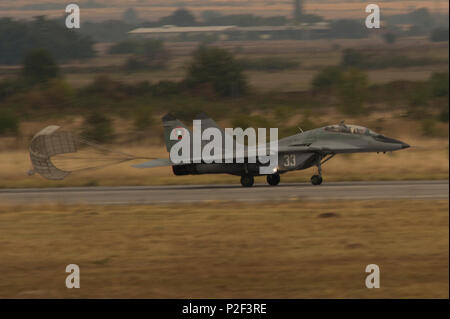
{"x": 317, "y": 179}
{"x": 247, "y": 180}
{"x": 273, "y": 180}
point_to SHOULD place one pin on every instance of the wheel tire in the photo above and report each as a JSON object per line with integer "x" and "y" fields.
{"x": 273, "y": 180}
{"x": 247, "y": 181}
{"x": 316, "y": 180}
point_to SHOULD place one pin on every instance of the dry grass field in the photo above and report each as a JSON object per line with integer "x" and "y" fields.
{"x": 277, "y": 250}
{"x": 311, "y": 54}
{"x": 428, "y": 158}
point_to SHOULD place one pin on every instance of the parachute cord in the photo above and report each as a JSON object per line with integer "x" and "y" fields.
{"x": 109, "y": 164}
{"x": 98, "y": 146}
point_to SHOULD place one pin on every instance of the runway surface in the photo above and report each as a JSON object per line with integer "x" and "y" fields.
{"x": 201, "y": 193}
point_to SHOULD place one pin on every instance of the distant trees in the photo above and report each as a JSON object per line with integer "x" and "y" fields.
{"x": 243, "y": 20}
{"x": 346, "y": 28}
{"x": 105, "y": 87}
{"x": 148, "y": 53}
{"x": 352, "y": 58}
{"x": 210, "y": 15}
{"x": 134, "y": 64}
{"x": 98, "y": 127}
{"x": 422, "y": 19}
{"x": 9, "y": 123}
{"x": 39, "y": 85}
{"x": 19, "y": 37}
{"x": 350, "y": 85}
{"x": 352, "y": 91}
{"x": 218, "y": 69}
{"x": 390, "y": 37}
{"x": 149, "y": 48}
{"x": 439, "y": 34}
{"x": 143, "y": 119}
{"x": 130, "y": 16}
{"x": 269, "y": 63}
{"x": 370, "y": 60}
{"x": 327, "y": 79}
{"x": 311, "y": 18}
{"x": 124, "y": 47}
{"x": 10, "y": 87}
{"x": 180, "y": 17}
{"x": 39, "y": 66}
{"x": 439, "y": 83}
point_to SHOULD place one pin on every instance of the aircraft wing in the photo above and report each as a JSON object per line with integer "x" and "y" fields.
{"x": 336, "y": 147}
{"x": 299, "y": 148}
{"x": 321, "y": 147}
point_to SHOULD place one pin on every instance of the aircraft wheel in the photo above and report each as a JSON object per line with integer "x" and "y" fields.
{"x": 316, "y": 180}
{"x": 273, "y": 179}
{"x": 247, "y": 181}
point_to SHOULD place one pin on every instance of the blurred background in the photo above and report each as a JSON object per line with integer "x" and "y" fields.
{"x": 284, "y": 64}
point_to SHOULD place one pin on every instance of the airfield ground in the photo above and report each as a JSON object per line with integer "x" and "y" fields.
{"x": 295, "y": 249}
{"x": 179, "y": 194}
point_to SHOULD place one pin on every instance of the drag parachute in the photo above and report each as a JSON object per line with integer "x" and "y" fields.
{"x": 56, "y": 153}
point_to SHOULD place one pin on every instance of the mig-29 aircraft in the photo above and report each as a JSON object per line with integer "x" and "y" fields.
{"x": 296, "y": 152}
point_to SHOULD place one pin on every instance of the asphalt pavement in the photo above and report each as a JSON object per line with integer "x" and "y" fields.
{"x": 204, "y": 193}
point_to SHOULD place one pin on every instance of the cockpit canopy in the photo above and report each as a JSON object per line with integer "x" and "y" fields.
{"x": 352, "y": 129}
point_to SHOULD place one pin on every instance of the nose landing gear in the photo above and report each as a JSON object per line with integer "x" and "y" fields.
{"x": 316, "y": 179}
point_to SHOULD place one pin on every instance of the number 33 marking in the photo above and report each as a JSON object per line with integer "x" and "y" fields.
{"x": 289, "y": 160}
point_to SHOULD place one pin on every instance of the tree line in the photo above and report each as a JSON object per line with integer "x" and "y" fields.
{"x": 17, "y": 38}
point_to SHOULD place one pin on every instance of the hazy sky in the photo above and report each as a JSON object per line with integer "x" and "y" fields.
{"x": 152, "y": 9}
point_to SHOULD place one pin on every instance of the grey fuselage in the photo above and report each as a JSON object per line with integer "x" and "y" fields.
{"x": 306, "y": 149}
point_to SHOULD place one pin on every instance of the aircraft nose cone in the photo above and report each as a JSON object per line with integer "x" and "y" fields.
{"x": 392, "y": 142}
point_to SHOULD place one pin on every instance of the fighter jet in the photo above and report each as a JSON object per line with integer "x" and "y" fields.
{"x": 297, "y": 152}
